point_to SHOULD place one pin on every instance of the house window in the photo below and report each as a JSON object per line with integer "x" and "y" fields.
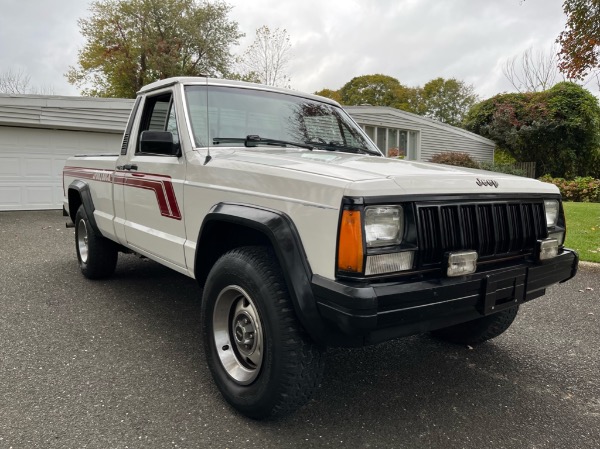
{"x": 381, "y": 139}
{"x": 403, "y": 144}
{"x": 394, "y": 142}
{"x": 413, "y": 137}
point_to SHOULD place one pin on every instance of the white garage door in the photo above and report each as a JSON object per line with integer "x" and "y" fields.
{"x": 32, "y": 159}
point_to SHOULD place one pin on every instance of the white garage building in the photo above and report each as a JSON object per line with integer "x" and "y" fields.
{"x": 38, "y": 134}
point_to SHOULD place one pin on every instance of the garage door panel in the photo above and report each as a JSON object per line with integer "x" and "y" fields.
{"x": 37, "y": 167}
{"x": 10, "y": 197}
{"x": 30, "y": 197}
{"x": 32, "y": 160}
{"x": 39, "y": 196}
{"x": 10, "y": 167}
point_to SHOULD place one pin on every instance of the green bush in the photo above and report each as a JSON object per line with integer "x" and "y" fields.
{"x": 581, "y": 189}
{"x": 557, "y": 128}
{"x": 465, "y": 160}
{"x": 509, "y": 169}
{"x": 453, "y": 158}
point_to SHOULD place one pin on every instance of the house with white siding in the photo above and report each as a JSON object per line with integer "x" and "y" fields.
{"x": 416, "y": 137}
{"x": 38, "y": 133}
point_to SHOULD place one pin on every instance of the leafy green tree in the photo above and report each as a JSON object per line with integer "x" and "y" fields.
{"x": 580, "y": 41}
{"x": 130, "y": 43}
{"x": 556, "y": 128}
{"x": 376, "y": 90}
{"x": 333, "y": 94}
{"x": 445, "y": 100}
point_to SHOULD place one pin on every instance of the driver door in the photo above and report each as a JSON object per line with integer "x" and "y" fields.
{"x": 153, "y": 189}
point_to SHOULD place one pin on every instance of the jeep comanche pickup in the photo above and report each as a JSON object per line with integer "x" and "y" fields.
{"x": 302, "y": 235}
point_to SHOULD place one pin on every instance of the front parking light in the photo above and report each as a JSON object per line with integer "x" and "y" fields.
{"x": 461, "y": 263}
{"x": 547, "y": 249}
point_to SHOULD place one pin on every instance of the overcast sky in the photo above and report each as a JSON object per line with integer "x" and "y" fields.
{"x": 332, "y": 40}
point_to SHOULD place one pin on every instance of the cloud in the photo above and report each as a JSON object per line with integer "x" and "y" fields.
{"x": 41, "y": 38}
{"x": 333, "y": 41}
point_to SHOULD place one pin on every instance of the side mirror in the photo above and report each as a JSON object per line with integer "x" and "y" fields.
{"x": 158, "y": 142}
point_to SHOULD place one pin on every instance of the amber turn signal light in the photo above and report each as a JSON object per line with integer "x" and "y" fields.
{"x": 350, "y": 248}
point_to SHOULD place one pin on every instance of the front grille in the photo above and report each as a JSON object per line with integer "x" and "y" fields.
{"x": 494, "y": 229}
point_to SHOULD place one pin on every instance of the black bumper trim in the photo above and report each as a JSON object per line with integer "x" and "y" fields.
{"x": 369, "y": 313}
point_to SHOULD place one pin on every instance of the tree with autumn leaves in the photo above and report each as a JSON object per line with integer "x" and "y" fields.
{"x": 130, "y": 43}
{"x": 580, "y": 41}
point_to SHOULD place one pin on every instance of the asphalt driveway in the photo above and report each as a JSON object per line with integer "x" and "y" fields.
{"x": 119, "y": 364}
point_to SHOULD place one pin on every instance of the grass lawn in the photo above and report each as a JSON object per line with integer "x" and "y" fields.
{"x": 583, "y": 229}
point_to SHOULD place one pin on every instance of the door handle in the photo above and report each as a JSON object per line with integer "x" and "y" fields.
{"x": 129, "y": 167}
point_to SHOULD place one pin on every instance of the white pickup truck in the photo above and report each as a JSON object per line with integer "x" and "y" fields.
{"x": 303, "y": 236}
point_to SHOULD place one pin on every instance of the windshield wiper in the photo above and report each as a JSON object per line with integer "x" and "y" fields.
{"x": 253, "y": 141}
{"x": 339, "y": 146}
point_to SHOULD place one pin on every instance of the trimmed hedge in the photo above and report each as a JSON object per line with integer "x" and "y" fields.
{"x": 581, "y": 189}
{"x": 465, "y": 160}
{"x": 455, "y": 158}
{"x": 509, "y": 169}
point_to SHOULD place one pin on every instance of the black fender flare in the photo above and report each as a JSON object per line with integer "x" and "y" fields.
{"x": 83, "y": 189}
{"x": 279, "y": 229}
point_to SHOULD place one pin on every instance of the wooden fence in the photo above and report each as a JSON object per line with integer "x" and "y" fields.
{"x": 527, "y": 167}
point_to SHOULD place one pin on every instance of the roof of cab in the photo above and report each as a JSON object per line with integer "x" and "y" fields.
{"x": 198, "y": 80}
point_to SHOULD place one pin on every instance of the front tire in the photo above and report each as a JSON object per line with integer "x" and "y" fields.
{"x": 480, "y": 330}
{"x": 96, "y": 254}
{"x": 260, "y": 357}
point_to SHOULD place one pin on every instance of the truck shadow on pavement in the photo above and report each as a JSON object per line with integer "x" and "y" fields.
{"x": 416, "y": 385}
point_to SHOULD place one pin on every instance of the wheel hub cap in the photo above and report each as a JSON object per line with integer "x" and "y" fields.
{"x": 82, "y": 241}
{"x": 244, "y": 333}
{"x": 238, "y": 334}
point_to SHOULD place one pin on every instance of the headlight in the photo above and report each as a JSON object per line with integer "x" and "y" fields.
{"x": 552, "y": 210}
{"x": 384, "y": 225}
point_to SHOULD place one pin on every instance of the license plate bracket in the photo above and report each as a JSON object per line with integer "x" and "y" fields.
{"x": 503, "y": 290}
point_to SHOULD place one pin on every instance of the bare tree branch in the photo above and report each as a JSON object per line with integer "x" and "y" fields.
{"x": 14, "y": 82}
{"x": 268, "y": 57}
{"x": 533, "y": 70}
{"x": 18, "y": 82}
{"x": 537, "y": 70}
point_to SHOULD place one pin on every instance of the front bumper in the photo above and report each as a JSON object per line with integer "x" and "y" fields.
{"x": 358, "y": 314}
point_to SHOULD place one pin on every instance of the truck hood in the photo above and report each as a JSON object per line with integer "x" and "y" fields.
{"x": 409, "y": 177}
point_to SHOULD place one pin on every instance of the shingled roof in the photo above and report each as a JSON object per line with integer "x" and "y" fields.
{"x": 72, "y": 113}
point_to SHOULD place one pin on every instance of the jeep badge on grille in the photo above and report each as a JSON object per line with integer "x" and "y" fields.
{"x": 487, "y": 182}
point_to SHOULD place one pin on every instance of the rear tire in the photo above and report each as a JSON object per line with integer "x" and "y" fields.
{"x": 96, "y": 254}
{"x": 260, "y": 357}
{"x": 480, "y": 330}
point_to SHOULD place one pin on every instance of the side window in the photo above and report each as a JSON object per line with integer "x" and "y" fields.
{"x": 172, "y": 124}
{"x": 159, "y": 115}
{"x": 127, "y": 134}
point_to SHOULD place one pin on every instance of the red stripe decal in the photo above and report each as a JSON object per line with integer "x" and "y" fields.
{"x": 161, "y": 185}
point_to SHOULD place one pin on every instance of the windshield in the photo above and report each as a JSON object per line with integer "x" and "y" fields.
{"x": 228, "y": 116}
